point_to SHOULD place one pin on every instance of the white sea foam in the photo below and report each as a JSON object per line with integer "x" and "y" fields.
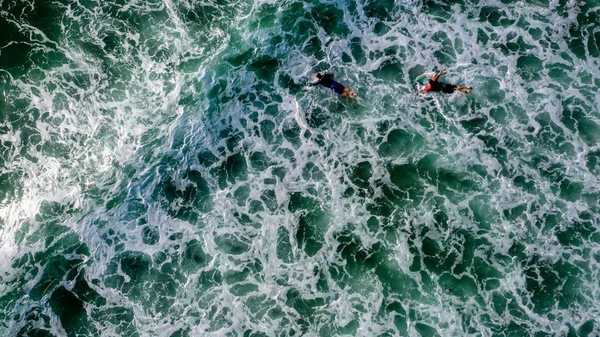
{"x": 114, "y": 137}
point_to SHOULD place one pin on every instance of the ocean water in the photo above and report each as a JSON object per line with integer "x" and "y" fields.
{"x": 165, "y": 170}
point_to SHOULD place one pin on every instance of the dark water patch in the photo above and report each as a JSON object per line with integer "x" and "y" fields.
{"x": 251, "y": 333}
{"x": 218, "y": 94}
{"x": 237, "y": 276}
{"x": 311, "y": 229}
{"x": 57, "y": 269}
{"x": 406, "y": 178}
{"x": 183, "y": 332}
{"x": 576, "y": 43}
{"x": 395, "y": 309}
{"x": 34, "y": 332}
{"x": 357, "y": 51}
{"x": 266, "y": 16}
{"x": 584, "y": 27}
{"x": 209, "y": 279}
{"x": 243, "y": 289}
{"x": 514, "y": 45}
{"x": 140, "y": 21}
{"x": 135, "y": 265}
{"x": 231, "y": 244}
{"x": 484, "y": 214}
{"x": 426, "y": 330}
{"x": 439, "y": 10}
{"x": 463, "y": 287}
{"x": 86, "y": 293}
{"x": 306, "y": 308}
{"x": 291, "y": 15}
{"x": 292, "y": 133}
{"x": 259, "y": 161}
{"x": 593, "y": 161}
{"x": 570, "y": 190}
{"x": 43, "y": 15}
{"x": 381, "y": 29}
{"x": 447, "y": 181}
{"x": 435, "y": 257}
{"x": 269, "y": 132}
{"x": 593, "y": 43}
{"x": 284, "y": 246}
{"x": 331, "y": 19}
{"x": 144, "y": 283}
{"x": 577, "y": 120}
{"x": 241, "y": 195}
{"x": 383, "y": 10}
{"x": 553, "y": 172}
{"x": 446, "y": 53}
{"x": 466, "y": 244}
{"x": 542, "y": 282}
{"x": 358, "y": 260}
{"x": 202, "y": 17}
{"x": 477, "y": 124}
{"x": 287, "y": 82}
{"x": 150, "y": 235}
{"x": 579, "y": 233}
{"x": 71, "y": 312}
{"x": 207, "y": 159}
{"x": 119, "y": 317}
{"x": 400, "y": 142}
{"x": 194, "y": 257}
{"x": 8, "y": 189}
{"x": 515, "y": 213}
{"x": 485, "y": 274}
{"x": 241, "y": 59}
{"x": 234, "y": 169}
{"x": 312, "y": 172}
{"x": 361, "y": 174}
{"x": 560, "y": 74}
{"x": 390, "y": 70}
{"x": 265, "y": 68}
{"x": 185, "y": 203}
{"x": 495, "y": 16}
{"x": 528, "y": 67}
{"x": 33, "y": 323}
{"x": 14, "y": 56}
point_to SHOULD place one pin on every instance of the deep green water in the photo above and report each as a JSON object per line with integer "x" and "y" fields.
{"x": 165, "y": 170}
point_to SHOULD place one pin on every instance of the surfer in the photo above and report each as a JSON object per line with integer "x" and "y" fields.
{"x": 434, "y": 85}
{"x": 327, "y": 81}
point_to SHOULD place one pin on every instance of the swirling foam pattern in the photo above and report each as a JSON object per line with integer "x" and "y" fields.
{"x": 165, "y": 170}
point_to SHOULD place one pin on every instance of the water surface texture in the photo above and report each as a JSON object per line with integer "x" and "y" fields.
{"x": 165, "y": 170}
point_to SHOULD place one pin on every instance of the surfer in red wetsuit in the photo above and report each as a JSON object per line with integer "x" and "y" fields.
{"x": 327, "y": 81}
{"x": 434, "y": 85}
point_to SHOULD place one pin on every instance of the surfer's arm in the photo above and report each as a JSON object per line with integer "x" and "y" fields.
{"x": 439, "y": 74}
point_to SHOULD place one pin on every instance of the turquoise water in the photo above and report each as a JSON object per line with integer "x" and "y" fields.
{"x": 165, "y": 170}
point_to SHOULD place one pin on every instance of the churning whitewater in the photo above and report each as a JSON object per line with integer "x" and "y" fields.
{"x": 165, "y": 170}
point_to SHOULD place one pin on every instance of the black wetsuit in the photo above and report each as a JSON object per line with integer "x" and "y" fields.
{"x": 327, "y": 81}
{"x": 443, "y": 87}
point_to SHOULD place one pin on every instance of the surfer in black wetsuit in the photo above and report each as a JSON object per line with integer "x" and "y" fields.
{"x": 327, "y": 81}
{"x": 434, "y": 85}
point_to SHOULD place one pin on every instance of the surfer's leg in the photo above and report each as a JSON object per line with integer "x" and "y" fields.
{"x": 349, "y": 93}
